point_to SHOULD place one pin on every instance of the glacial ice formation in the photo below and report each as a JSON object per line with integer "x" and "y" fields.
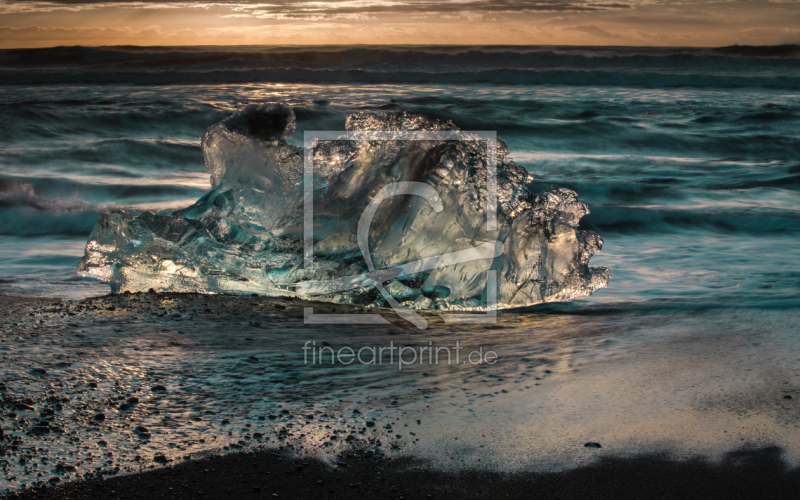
{"x": 246, "y": 235}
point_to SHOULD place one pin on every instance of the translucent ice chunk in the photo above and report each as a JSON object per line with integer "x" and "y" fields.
{"x": 246, "y": 235}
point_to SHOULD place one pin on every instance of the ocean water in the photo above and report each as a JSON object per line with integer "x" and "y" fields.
{"x": 689, "y": 160}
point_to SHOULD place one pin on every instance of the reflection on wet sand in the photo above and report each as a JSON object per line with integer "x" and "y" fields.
{"x": 126, "y": 382}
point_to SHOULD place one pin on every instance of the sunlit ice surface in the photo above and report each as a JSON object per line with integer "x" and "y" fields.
{"x": 473, "y": 236}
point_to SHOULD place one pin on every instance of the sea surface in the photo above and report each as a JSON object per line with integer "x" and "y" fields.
{"x": 689, "y": 160}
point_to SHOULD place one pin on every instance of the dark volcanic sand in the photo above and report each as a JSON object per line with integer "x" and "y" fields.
{"x": 225, "y": 375}
{"x": 757, "y": 474}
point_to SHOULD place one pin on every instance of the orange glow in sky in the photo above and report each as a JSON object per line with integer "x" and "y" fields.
{"x": 33, "y": 23}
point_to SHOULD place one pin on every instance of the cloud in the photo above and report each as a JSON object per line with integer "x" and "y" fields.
{"x": 593, "y": 30}
{"x": 570, "y": 22}
{"x": 311, "y": 7}
{"x": 100, "y": 34}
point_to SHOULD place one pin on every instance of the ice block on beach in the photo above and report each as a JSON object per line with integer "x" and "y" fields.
{"x": 426, "y": 244}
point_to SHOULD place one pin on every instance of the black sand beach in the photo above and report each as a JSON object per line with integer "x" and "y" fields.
{"x": 161, "y": 421}
{"x": 756, "y": 473}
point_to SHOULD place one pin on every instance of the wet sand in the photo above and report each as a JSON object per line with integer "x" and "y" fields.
{"x": 138, "y": 393}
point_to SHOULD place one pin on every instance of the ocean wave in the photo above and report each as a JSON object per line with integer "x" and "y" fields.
{"x": 23, "y": 212}
{"x": 637, "y": 67}
{"x": 141, "y": 153}
{"x": 48, "y": 192}
{"x": 627, "y": 219}
{"x": 354, "y": 56}
{"x": 50, "y": 120}
{"x": 26, "y": 221}
{"x": 789, "y": 182}
{"x": 36, "y": 206}
{"x": 146, "y": 136}
{"x": 571, "y": 77}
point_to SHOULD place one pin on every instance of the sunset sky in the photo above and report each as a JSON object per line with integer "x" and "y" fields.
{"x": 36, "y": 23}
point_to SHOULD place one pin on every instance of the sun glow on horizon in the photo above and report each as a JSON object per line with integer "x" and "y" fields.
{"x": 510, "y": 22}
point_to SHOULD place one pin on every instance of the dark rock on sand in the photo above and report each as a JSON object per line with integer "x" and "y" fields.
{"x": 40, "y": 428}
